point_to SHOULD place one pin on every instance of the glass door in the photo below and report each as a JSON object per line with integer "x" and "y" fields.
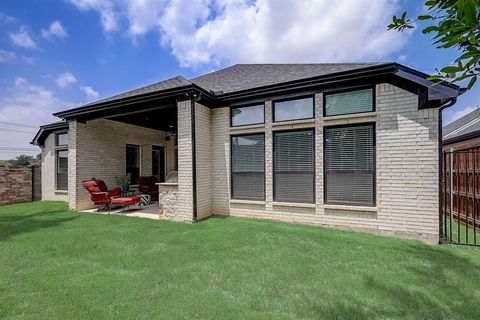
{"x": 158, "y": 163}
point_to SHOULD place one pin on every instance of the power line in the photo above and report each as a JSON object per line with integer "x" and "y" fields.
{"x": 18, "y": 124}
{"x": 17, "y": 149}
{"x": 18, "y": 131}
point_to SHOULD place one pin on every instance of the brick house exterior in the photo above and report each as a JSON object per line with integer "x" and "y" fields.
{"x": 405, "y": 119}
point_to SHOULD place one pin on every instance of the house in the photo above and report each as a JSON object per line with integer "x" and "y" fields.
{"x": 463, "y": 133}
{"x": 352, "y": 145}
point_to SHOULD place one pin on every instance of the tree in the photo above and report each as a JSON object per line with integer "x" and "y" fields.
{"x": 23, "y": 160}
{"x": 453, "y": 24}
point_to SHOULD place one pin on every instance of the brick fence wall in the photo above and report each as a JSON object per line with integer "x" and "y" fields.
{"x": 16, "y": 185}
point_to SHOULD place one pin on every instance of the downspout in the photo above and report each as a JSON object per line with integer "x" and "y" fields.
{"x": 440, "y": 163}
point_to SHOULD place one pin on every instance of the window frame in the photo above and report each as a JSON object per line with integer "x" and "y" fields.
{"x": 57, "y": 133}
{"x": 313, "y": 130}
{"x": 264, "y": 165}
{"x": 345, "y": 90}
{"x": 246, "y": 106}
{"x": 139, "y": 159}
{"x": 374, "y": 164}
{"x": 57, "y": 151}
{"x": 293, "y": 99}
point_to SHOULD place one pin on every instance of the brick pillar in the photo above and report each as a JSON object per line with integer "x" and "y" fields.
{"x": 185, "y": 181}
{"x": 72, "y": 164}
{"x": 268, "y": 156}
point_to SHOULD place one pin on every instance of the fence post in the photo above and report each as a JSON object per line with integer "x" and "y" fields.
{"x": 33, "y": 183}
{"x": 451, "y": 191}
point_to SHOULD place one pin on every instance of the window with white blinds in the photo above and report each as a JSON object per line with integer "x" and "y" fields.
{"x": 349, "y": 102}
{"x": 248, "y": 167}
{"x": 350, "y": 165}
{"x": 294, "y": 166}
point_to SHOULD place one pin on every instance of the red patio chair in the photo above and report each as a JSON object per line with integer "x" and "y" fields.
{"x": 147, "y": 185}
{"x": 100, "y": 195}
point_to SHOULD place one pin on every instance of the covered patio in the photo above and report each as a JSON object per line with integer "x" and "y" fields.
{"x": 148, "y": 135}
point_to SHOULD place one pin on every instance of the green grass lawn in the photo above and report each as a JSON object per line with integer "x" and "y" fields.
{"x": 60, "y": 264}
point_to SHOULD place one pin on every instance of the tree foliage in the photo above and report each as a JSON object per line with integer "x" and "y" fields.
{"x": 453, "y": 24}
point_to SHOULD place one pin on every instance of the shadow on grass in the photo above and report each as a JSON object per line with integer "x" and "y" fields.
{"x": 445, "y": 286}
{"x": 12, "y": 225}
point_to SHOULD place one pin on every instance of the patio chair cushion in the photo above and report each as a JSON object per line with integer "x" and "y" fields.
{"x": 99, "y": 193}
{"x": 147, "y": 185}
{"x": 125, "y": 201}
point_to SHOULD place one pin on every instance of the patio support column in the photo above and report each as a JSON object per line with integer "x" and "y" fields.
{"x": 185, "y": 205}
{"x": 72, "y": 164}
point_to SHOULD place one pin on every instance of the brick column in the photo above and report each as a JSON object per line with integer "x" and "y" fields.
{"x": 268, "y": 156}
{"x": 72, "y": 165}
{"x": 185, "y": 181}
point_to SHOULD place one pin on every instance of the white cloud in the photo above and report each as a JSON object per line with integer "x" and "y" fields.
{"x": 65, "y": 79}
{"x": 28, "y": 59}
{"x": 55, "y": 30}
{"x": 7, "y": 19}
{"x": 108, "y": 14}
{"x": 23, "y": 39}
{"x": 7, "y": 56}
{"x": 29, "y": 104}
{"x": 460, "y": 113}
{"x": 231, "y": 31}
{"x": 90, "y": 93}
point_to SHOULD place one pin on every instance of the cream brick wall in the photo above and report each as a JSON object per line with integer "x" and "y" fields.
{"x": 100, "y": 152}
{"x": 48, "y": 172}
{"x": 203, "y": 159}
{"x": 406, "y": 163}
{"x": 185, "y": 181}
{"x": 220, "y": 164}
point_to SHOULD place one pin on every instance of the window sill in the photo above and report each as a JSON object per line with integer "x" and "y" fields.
{"x": 351, "y": 116}
{"x": 61, "y": 191}
{"x": 239, "y": 201}
{"x": 248, "y": 127}
{"x": 350, "y": 208}
{"x": 293, "y": 123}
{"x": 294, "y": 204}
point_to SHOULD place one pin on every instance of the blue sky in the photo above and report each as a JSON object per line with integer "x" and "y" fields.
{"x": 56, "y": 54}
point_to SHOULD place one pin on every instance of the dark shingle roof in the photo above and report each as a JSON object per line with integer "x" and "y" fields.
{"x": 465, "y": 126}
{"x": 247, "y": 76}
{"x": 171, "y": 83}
{"x": 46, "y": 129}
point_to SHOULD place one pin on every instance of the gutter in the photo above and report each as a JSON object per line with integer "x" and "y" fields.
{"x": 440, "y": 165}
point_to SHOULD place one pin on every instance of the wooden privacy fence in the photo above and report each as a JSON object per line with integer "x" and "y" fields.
{"x": 460, "y": 217}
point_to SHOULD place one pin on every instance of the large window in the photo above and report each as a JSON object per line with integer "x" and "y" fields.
{"x": 61, "y": 170}
{"x": 61, "y": 139}
{"x": 350, "y": 165}
{"x": 248, "y": 167}
{"x": 293, "y": 109}
{"x": 349, "y": 102}
{"x": 61, "y": 161}
{"x": 133, "y": 162}
{"x": 294, "y": 166}
{"x": 243, "y": 116}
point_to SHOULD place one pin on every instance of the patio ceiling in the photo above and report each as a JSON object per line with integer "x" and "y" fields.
{"x": 158, "y": 119}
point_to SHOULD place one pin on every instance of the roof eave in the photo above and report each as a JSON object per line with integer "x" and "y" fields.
{"x": 389, "y": 67}
{"x": 38, "y": 138}
{"x": 162, "y": 94}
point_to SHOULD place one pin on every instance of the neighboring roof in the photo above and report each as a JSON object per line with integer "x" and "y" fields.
{"x": 247, "y": 76}
{"x": 45, "y": 130}
{"x": 463, "y": 128}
